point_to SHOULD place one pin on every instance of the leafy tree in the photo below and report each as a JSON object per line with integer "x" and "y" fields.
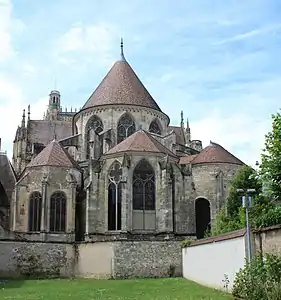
{"x": 246, "y": 178}
{"x": 270, "y": 169}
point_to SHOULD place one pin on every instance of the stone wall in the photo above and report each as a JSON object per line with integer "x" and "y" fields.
{"x": 120, "y": 259}
{"x": 40, "y": 259}
{"x": 147, "y": 259}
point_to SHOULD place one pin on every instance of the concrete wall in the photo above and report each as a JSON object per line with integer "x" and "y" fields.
{"x": 209, "y": 261}
{"x": 120, "y": 259}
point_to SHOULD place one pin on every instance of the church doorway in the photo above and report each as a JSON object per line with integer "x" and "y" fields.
{"x": 203, "y": 217}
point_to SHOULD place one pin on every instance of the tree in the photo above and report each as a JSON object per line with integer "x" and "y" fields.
{"x": 246, "y": 178}
{"x": 232, "y": 216}
{"x": 270, "y": 169}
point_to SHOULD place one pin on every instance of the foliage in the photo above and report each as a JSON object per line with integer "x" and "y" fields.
{"x": 186, "y": 243}
{"x": 270, "y": 169}
{"x": 246, "y": 178}
{"x": 259, "y": 279}
{"x": 268, "y": 217}
{"x": 87, "y": 289}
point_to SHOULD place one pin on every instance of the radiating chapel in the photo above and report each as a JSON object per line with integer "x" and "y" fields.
{"x": 114, "y": 169}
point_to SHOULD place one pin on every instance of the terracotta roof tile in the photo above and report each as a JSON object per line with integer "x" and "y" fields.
{"x": 215, "y": 153}
{"x": 54, "y": 155}
{"x": 141, "y": 141}
{"x": 187, "y": 159}
{"x": 121, "y": 85}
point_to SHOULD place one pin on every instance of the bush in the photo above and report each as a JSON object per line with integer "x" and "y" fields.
{"x": 260, "y": 279}
{"x": 268, "y": 218}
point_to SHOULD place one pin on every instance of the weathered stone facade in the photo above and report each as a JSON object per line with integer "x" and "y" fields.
{"x": 116, "y": 172}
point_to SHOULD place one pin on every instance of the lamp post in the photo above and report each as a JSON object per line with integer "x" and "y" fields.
{"x": 247, "y": 202}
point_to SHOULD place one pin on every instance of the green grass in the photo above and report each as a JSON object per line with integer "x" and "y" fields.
{"x": 87, "y": 289}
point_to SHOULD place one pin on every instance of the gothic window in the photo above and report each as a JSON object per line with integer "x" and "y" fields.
{"x": 154, "y": 127}
{"x": 126, "y": 126}
{"x": 94, "y": 125}
{"x": 115, "y": 197}
{"x": 144, "y": 196}
{"x": 58, "y": 212}
{"x": 34, "y": 211}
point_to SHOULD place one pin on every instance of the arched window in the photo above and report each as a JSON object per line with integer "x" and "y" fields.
{"x": 58, "y": 212}
{"x": 126, "y": 126}
{"x": 154, "y": 127}
{"x": 34, "y": 211}
{"x": 144, "y": 217}
{"x": 114, "y": 197}
{"x": 94, "y": 125}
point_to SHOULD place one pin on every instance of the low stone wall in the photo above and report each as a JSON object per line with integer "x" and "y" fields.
{"x": 120, "y": 259}
{"x": 147, "y": 259}
{"x": 40, "y": 259}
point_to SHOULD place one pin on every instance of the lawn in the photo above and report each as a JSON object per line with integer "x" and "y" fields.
{"x": 87, "y": 289}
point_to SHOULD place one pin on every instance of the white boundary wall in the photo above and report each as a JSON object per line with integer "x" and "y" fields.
{"x": 208, "y": 261}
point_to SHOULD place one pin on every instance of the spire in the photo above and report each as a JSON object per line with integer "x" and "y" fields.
{"x": 23, "y": 119}
{"x": 187, "y": 123}
{"x": 122, "y": 49}
{"x": 28, "y": 113}
{"x": 182, "y": 121}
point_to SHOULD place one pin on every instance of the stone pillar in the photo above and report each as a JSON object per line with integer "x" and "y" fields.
{"x": 93, "y": 199}
{"x": 43, "y": 211}
{"x": 15, "y": 208}
{"x": 88, "y": 187}
{"x": 126, "y": 212}
{"x": 164, "y": 211}
{"x": 73, "y": 186}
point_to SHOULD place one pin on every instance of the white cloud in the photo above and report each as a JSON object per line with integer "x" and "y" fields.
{"x": 86, "y": 43}
{"x": 239, "y": 133}
{"x": 8, "y": 26}
{"x": 12, "y": 103}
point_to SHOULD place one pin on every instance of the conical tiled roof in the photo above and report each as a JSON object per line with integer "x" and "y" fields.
{"x": 215, "y": 153}
{"x": 141, "y": 141}
{"x": 53, "y": 155}
{"x": 121, "y": 85}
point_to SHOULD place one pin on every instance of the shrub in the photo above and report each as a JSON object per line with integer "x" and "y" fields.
{"x": 268, "y": 218}
{"x": 259, "y": 279}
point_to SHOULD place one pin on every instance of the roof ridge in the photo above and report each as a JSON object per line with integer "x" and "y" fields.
{"x": 154, "y": 140}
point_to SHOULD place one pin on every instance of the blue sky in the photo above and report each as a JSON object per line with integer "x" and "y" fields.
{"x": 218, "y": 61}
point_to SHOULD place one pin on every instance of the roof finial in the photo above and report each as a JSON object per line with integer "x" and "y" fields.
{"x": 28, "y": 113}
{"x": 122, "y": 49}
{"x": 23, "y": 119}
{"x": 182, "y": 121}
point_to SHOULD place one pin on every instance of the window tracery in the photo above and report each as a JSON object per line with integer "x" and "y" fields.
{"x": 58, "y": 212}
{"x": 154, "y": 128}
{"x": 144, "y": 193}
{"x": 34, "y": 212}
{"x": 114, "y": 197}
{"x": 126, "y": 127}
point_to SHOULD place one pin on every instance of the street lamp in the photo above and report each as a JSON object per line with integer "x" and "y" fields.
{"x": 247, "y": 202}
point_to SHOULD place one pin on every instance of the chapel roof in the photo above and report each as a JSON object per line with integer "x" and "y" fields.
{"x": 54, "y": 155}
{"x": 121, "y": 85}
{"x": 141, "y": 141}
{"x": 43, "y": 131}
{"x": 179, "y": 131}
{"x": 215, "y": 153}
